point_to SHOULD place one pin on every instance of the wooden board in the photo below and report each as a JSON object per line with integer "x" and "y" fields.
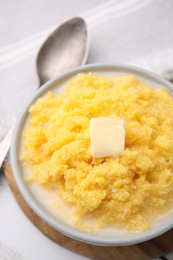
{"x": 156, "y": 247}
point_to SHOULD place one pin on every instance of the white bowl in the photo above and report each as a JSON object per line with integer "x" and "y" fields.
{"x": 113, "y": 237}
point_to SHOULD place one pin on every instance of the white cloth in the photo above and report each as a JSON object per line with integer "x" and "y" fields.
{"x": 121, "y": 31}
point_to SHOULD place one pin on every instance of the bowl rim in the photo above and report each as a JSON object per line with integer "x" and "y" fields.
{"x": 22, "y": 186}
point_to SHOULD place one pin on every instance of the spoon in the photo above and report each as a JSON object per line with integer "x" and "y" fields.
{"x": 65, "y": 48}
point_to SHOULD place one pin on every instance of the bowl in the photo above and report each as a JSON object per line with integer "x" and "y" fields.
{"x": 108, "y": 237}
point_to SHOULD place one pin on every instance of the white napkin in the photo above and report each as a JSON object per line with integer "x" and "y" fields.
{"x": 8, "y": 253}
{"x": 160, "y": 63}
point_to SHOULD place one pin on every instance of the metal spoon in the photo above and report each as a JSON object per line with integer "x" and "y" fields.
{"x": 65, "y": 48}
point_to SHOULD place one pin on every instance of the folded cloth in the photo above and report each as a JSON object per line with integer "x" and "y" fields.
{"x": 8, "y": 253}
{"x": 159, "y": 62}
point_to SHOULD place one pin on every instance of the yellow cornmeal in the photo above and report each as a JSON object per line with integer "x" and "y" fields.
{"x": 127, "y": 191}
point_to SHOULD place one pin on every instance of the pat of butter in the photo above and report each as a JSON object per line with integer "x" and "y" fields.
{"x": 107, "y": 137}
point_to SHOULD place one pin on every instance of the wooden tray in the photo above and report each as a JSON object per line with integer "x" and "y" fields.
{"x": 156, "y": 247}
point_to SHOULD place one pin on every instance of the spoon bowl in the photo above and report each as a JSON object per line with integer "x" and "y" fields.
{"x": 65, "y": 48}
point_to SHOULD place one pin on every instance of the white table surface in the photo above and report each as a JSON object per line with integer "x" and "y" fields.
{"x": 122, "y": 31}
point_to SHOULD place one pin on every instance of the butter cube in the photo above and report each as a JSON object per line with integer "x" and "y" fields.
{"x": 107, "y": 137}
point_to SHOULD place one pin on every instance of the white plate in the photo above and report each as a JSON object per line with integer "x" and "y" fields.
{"x": 109, "y": 236}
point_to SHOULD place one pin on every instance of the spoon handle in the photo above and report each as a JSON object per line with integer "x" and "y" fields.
{"x": 5, "y": 145}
